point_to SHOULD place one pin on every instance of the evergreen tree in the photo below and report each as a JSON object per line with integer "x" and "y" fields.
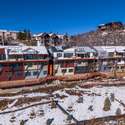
{"x": 21, "y": 36}
{"x": 24, "y": 35}
{"x": 107, "y": 104}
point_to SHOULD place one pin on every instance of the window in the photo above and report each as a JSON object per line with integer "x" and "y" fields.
{"x": 56, "y": 71}
{"x": 67, "y": 64}
{"x": 30, "y": 64}
{"x": 81, "y": 55}
{"x": 27, "y": 73}
{"x": 1, "y": 65}
{"x": 122, "y": 67}
{"x": 10, "y": 74}
{"x": 18, "y": 73}
{"x": 70, "y": 70}
{"x": 59, "y": 54}
{"x": 28, "y": 56}
{"x": 111, "y": 54}
{"x": 45, "y": 72}
{"x": 68, "y": 55}
{"x": 43, "y": 57}
{"x": 81, "y": 69}
{"x": 2, "y": 57}
{"x": 35, "y": 73}
{"x": 12, "y": 57}
{"x": 15, "y": 66}
{"x": 63, "y": 70}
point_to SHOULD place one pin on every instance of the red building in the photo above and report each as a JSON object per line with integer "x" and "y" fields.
{"x": 27, "y": 63}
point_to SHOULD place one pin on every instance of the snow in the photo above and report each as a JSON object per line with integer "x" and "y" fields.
{"x": 104, "y": 33}
{"x": 25, "y": 49}
{"x": 97, "y": 102}
{"x": 23, "y": 95}
{"x": 12, "y": 104}
{"x": 121, "y": 62}
{"x": 50, "y": 34}
{"x": 38, "y": 120}
{"x": 82, "y": 49}
{"x": 110, "y": 48}
{"x": 91, "y": 97}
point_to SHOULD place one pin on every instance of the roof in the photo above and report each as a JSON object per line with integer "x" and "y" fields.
{"x": 110, "y": 48}
{"x": 53, "y": 49}
{"x": 85, "y": 49}
{"x": 40, "y": 49}
{"x": 26, "y": 49}
{"x": 50, "y": 34}
{"x": 70, "y": 50}
{"x": 82, "y": 49}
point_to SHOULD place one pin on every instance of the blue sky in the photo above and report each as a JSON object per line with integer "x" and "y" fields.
{"x": 62, "y": 16}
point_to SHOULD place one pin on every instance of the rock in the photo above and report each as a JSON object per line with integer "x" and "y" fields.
{"x": 22, "y": 122}
{"x": 80, "y": 99}
{"x": 90, "y": 108}
{"x": 49, "y": 121}
{"x": 118, "y": 111}
{"x": 69, "y": 118}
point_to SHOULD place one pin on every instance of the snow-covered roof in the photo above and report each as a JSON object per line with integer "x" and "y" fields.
{"x": 53, "y": 49}
{"x": 25, "y": 49}
{"x": 40, "y": 49}
{"x": 13, "y": 31}
{"x": 108, "y": 49}
{"x": 50, "y": 34}
{"x": 83, "y": 49}
{"x": 102, "y": 24}
{"x": 37, "y": 35}
{"x": 70, "y": 50}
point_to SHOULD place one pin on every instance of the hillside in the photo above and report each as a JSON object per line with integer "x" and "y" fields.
{"x": 110, "y": 36}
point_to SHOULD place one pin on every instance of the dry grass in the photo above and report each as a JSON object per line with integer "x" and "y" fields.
{"x": 46, "y": 89}
{"x": 4, "y": 103}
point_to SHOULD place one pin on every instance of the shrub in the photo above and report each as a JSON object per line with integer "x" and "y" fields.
{"x": 49, "y": 121}
{"x": 80, "y": 99}
{"x": 118, "y": 111}
{"x": 53, "y": 104}
{"x": 32, "y": 114}
{"x": 90, "y": 108}
{"x": 22, "y": 122}
{"x": 112, "y": 97}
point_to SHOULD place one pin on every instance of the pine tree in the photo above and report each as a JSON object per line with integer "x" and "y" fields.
{"x": 21, "y": 36}
{"x": 24, "y": 35}
{"x": 107, "y": 104}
